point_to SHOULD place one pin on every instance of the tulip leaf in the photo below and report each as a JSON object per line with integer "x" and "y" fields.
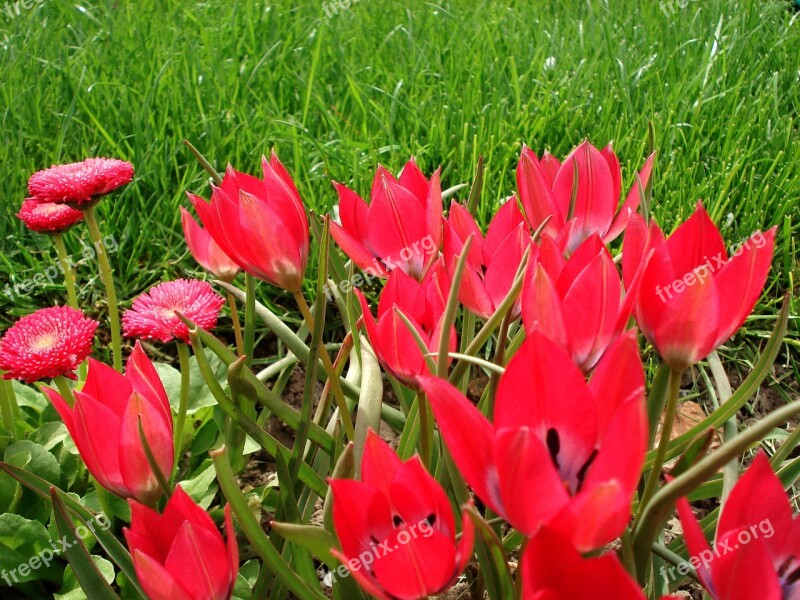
{"x": 477, "y": 187}
{"x": 370, "y": 399}
{"x": 656, "y": 400}
{"x": 316, "y": 540}
{"x": 71, "y": 589}
{"x": 86, "y": 571}
{"x": 496, "y": 555}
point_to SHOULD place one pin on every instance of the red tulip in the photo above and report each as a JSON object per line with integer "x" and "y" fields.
{"x": 423, "y": 304}
{"x": 551, "y": 569}
{"x": 546, "y": 190}
{"x": 401, "y": 227}
{"x": 205, "y": 250}
{"x": 560, "y": 453}
{"x": 260, "y": 224}
{"x": 493, "y": 261}
{"x": 757, "y": 549}
{"x": 104, "y": 424}
{"x": 181, "y": 555}
{"x": 692, "y": 298}
{"x": 576, "y": 302}
{"x": 396, "y": 527}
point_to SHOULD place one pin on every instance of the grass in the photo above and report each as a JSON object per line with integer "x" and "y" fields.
{"x": 381, "y": 81}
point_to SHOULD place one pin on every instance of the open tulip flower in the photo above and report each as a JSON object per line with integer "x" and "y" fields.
{"x": 577, "y": 302}
{"x": 423, "y": 304}
{"x": 692, "y": 297}
{"x": 180, "y": 555}
{"x": 400, "y": 228}
{"x": 757, "y": 549}
{"x": 260, "y": 224}
{"x": 396, "y": 527}
{"x": 104, "y": 424}
{"x": 492, "y": 262}
{"x": 546, "y": 190}
{"x": 560, "y": 452}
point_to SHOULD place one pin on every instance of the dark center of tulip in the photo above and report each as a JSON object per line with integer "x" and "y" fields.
{"x": 553, "y": 442}
{"x": 789, "y": 574}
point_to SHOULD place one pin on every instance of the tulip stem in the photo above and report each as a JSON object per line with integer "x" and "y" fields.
{"x": 425, "y": 430}
{"x": 69, "y": 274}
{"x": 237, "y": 325}
{"x": 673, "y": 393}
{"x": 108, "y": 281}
{"x": 249, "y": 317}
{"x": 341, "y": 403}
{"x": 183, "y": 405}
{"x": 65, "y": 390}
{"x": 499, "y": 359}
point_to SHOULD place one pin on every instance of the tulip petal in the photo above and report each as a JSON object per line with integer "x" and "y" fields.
{"x": 379, "y": 464}
{"x": 357, "y": 251}
{"x": 613, "y": 166}
{"x": 143, "y": 377}
{"x": 695, "y": 242}
{"x": 361, "y": 515}
{"x": 473, "y": 453}
{"x": 504, "y": 264}
{"x": 541, "y": 307}
{"x": 412, "y": 178}
{"x": 741, "y": 281}
{"x": 92, "y": 418}
{"x": 198, "y": 561}
{"x": 157, "y": 582}
{"x": 535, "y": 194}
{"x": 506, "y": 221}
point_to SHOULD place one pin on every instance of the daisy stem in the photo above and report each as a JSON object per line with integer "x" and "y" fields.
{"x": 8, "y": 401}
{"x": 673, "y": 392}
{"x": 237, "y": 325}
{"x": 183, "y": 406}
{"x": 65, "y": 389}
{"x": 69, "y": 274}
{"x": 249, "y": 317}
{"x": 336, "y": 384}
{"x": 108, "y": 280}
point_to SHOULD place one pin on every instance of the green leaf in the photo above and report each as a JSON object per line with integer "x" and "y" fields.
{"x": 203, "y": 486}
{"x": 71, "y": 589}
{"x": 199, "y": 394}
{"x": 91, "y": 580}
{"x": 25, "y": 547}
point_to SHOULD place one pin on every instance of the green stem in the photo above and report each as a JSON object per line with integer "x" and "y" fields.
{"x": 499, "y": 359}
{"x": 338, "y": 393}
{"x": 673, "y": 392}
{"x": 183, "y": 406}
{"x": 108, "y": 280}
{"x": 237, "y": 325}
{"x": 249, "y": 317}
{"x": 69, "y": 274}
{"x": 65, "y": 390}
{"x": 7, "y": 402}
{"x": 426, "y": 430}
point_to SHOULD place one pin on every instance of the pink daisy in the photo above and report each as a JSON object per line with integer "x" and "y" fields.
{"x": 152, "y": 316}
{"x": 47, "y": 343}
{"x": 81, "y": 182}
{"x": 44, "y": 217}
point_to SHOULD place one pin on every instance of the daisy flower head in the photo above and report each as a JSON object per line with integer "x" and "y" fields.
{"x": 153, "y": 315}
{"x": 81, "y": 183}
{"x": 44, "y": 217}
{"x": 47, "y": 343}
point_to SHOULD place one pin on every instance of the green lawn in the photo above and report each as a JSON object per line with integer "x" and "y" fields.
{"x": 385, "y": 79}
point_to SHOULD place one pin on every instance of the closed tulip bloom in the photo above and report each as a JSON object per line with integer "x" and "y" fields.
{"x": 260, "y": 224}
{"x": 576, "y": 302}
{"x": 104, "y": 424}
{"x": 561, "y": 452}
{"x": 692, "y": 297}
{"x": 181, "y": 555}
{"x": 551, "y": 569}
{"x": 398, "y": 505}
{"x": 493, "y": 260}
{"x": 400, "y": 228}
{"x": 205, "y": 250}
{"x": 546, "y": 190}
{"x": 756, "y": 528}
{"x": 423, "y": 304}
